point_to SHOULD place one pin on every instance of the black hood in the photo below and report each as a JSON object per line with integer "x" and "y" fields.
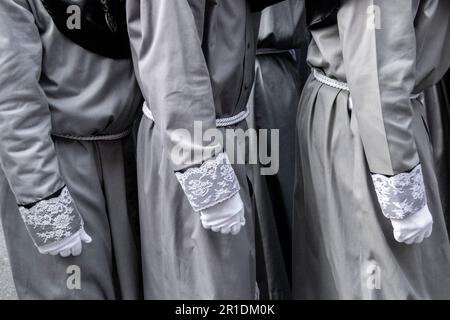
{"x": 259, "y": 5}
{"x": 321, "y": 13}
{"x": 103, "y": 25}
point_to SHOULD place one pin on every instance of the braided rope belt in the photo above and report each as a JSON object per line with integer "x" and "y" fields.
{"x": 222, "y": 122}
{"x": 319, "y": 76}
{"x": 106, "y": 137}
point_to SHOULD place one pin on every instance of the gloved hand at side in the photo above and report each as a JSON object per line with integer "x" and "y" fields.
{"x": 213, "y": 191}
{"x": 55, "y": 225}
{"x": 226, "y": 217}
{"x": 71, "y": 246}
{"x": 414, "y": 228}
{"x": 403, "y": 200}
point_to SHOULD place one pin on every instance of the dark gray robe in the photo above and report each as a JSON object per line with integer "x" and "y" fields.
{"x": 273, "y": 106}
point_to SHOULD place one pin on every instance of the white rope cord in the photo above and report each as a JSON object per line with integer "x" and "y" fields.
{"x": 330, "y": 82}
{"x": 147, "y": 112}
{"x": 223, "y": 122}
{"x": 106, "y": 137}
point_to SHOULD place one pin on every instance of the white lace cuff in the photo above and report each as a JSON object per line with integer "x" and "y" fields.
{"x": 401, "y": 195}
{"x": 52, "y": 220}
{"x": 210, "y": 184}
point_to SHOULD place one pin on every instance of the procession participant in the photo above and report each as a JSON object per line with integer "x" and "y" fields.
{"x": 369, "y": 222}
{"x": 273, "y": 107}
{"x": 437, "y": 103}
{"x": 67, "y": 100}
{"x": 195, "y": 65}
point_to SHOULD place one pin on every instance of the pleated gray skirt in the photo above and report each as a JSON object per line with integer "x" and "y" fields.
{"x": 343, "y": 245}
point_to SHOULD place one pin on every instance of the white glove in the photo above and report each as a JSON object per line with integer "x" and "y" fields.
{"x": 67, "y": 247}
{"x": 414, "y": 228}
{"x": 226, "y": 217}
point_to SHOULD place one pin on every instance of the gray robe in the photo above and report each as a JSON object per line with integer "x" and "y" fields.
{"x": 273, "y": 105}
{"x": 437, "y": 102}
{"x": 195, "y": 62}
{"x": 50, "y": 86}
{"x": 344, "y": 247}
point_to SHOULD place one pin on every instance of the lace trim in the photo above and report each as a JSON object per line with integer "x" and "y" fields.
{"x": 401, "y": 195}
{"x": 52, "y": 220}
{"x": 210, "y": 184}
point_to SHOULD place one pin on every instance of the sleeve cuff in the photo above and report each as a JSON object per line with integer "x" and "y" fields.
{"x": 52, "y": 220}
{"x": 401, "y": 195}
{"x": 210, "y": 184}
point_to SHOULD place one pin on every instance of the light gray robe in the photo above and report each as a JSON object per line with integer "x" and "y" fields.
{"x": 273, "y": 106}
{"x": 344, "y": 247}
{"x": 195, "y": 62}
{"x": 48, "y": 86}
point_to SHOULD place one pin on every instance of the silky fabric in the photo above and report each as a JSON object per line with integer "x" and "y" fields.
{"x": 437, "y": 101}
{"x": 99, "y": 177}
{"x": 343, "y": 245}
{"x": 273, "y": 106}
{"x": 182, "y": 260}
{"x": 275, "y": 110}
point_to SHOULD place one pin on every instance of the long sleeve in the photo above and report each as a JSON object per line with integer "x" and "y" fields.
{"x": 166, "y": 41}
{"x": 27, "y": 153}
{"x": 379, "y": 48}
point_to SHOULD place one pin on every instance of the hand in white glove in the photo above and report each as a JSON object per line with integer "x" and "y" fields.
{"x": 226, "y": 217}
{"x": 71, "y": 246}
{"x": 414, "y": 228}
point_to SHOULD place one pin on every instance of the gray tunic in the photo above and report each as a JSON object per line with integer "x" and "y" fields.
{"x": 273, "y": 105}
{"x": 195, "y": 62}
{"x": 50, "y": 86}
{"x": 343, "y": 246}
